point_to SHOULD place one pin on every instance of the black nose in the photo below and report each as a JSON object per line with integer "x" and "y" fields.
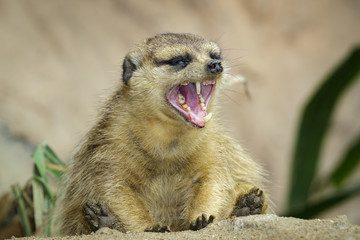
{"x": 215, "y": 66}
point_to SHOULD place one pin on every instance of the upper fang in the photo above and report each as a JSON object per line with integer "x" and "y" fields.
{"x": 198, "y": 88}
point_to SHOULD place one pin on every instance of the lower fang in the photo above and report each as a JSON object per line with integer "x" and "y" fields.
{"x": 207, "y": 117}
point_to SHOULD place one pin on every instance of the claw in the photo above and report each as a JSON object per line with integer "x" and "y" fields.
{"x": 98, "y": 216}
{"x": 201, "y": 222}
{"x": 158, "y": 228}
{"x": 249, "y": 204}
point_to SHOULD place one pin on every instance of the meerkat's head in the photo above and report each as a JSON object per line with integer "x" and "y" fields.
{"x": 179, "y": 71}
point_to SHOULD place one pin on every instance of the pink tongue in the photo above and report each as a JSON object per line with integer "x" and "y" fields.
{"x": 196, "y": 114}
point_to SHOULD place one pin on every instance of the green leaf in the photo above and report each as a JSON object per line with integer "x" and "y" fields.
{"x": 38, "y": 191}
{"x": 21, "y": 209}
{"x": 51, "y": 155}
{"x": 46, "y": 161}
{"x": 38, "y": 199}
{"x": 47, "y": 189}
{"x": 314, "y": 125}
{"x": 56, "y": 170}
{"x": 347, "y": 164}
{"x": 315, "y": 208}
{"x": 39, "y": 160}
{"x": 54, "y": 165}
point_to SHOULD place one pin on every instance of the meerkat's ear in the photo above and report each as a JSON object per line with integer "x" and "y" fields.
{"x": 132, "y": 62}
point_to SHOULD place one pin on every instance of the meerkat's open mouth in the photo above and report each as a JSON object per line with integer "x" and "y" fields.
{"x": 191, "y": 100}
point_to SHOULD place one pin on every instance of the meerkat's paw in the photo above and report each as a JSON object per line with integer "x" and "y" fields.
{"x": 201, "y": 222}
{"x": 249, "y": 204}
{"x": 158, "y": 227}
{"x": 99, "y": 216}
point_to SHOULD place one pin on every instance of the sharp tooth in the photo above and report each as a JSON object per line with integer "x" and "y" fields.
{"x": 203, "y": 107}
{"x": 186, "y": 107}
{"x": 184, "y": 83}
{"x": 207, "y": 117}
{"x": 208, "y": 82}
{"x": 201, "y": 99}
{"x": 198, "y": 88}
{"x": 181, "y": 99}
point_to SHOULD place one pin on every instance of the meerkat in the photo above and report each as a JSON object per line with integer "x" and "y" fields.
{"x": 157, "y": 159}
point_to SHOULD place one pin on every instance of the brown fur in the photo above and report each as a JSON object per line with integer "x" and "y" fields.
{"x": 145, "y": 161}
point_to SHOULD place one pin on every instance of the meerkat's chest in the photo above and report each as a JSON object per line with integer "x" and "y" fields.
{"x": 168, "y": 197}
{"x": 167, "y": 191}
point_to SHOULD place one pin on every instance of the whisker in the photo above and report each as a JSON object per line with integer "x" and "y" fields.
{"x": 246, "y": 90}
{"x": 233, "y": 50}
{"x": 233, "y": 91}
{"x": 231, "y": 99}
{"x": 238, "y": 65}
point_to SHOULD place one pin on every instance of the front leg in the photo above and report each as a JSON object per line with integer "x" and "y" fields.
{"x": 201, "y": 222}
{"x": 120, "y": 209}
{"x": 250, "y": 204}
{"x": 206, "y": 204}
{"x": 250, "y": 201}
{"x": 158, "y": 227}
{"x": 98, "y": 215}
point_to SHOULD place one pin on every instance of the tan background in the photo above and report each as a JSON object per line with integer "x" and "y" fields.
{"x": 60, "y": 59}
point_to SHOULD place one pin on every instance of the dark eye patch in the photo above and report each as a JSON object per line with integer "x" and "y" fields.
{"x": 216, "y": 56}
{"x": 178, "y": 61}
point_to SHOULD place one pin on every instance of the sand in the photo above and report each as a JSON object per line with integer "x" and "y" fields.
{"x": 251, "y": 227}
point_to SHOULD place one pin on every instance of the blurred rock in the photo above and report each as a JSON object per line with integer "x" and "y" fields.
{"x": 252, "y": 227}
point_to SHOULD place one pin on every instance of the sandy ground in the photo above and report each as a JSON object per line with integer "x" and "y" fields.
{"x": 59, "y": 59}
{"x": 252, "y": 227}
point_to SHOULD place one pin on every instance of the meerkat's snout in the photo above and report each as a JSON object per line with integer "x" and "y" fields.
{"x": 215, "y": 66}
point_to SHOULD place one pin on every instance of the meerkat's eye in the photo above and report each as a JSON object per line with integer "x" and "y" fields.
{"x": 178, "y": 62}
{"x": 216, "y": 56}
